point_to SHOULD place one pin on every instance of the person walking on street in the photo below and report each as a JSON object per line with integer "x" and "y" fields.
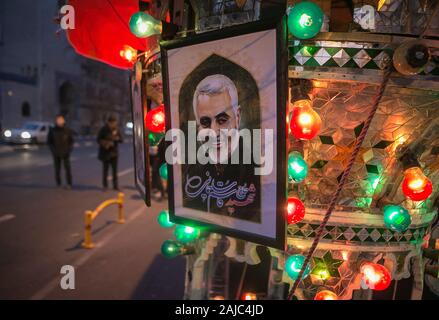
{"x": 109, "y": 138}
{"x": 60, "y": 141}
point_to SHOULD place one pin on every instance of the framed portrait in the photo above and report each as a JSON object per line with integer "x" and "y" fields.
{"x": 140, "y": 142}
{"x": 225, "y": 99}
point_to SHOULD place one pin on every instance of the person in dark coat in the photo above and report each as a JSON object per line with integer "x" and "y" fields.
{"x": 60, "y": 141}
{"x": 157, "y": 159}
{"x": 109, "y": 138}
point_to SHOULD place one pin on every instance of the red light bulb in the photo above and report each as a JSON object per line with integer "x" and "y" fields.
{"x": 326, "y": 295}
{"x": 249, "y": 296}
{"x": 305, "y": 123}
{"x": 155, "y": 119}
{"x": 375, "y": 276}
{"x": 295, "y": 210}
{"x": 416, "y": 186}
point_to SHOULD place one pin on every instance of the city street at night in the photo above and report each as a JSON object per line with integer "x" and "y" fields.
{"x": 42, "y": 226}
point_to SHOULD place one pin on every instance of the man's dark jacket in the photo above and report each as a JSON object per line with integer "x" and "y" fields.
{"x": 108, "y": 141}
{"x": 60, "y": 141}
{"x": 224, "y": 174}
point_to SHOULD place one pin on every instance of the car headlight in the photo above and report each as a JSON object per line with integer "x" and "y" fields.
{"x": 7, "y": 133}
{"x": 25, "y": 135}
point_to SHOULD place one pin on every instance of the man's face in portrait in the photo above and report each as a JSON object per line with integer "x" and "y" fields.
{"x": 216, "y": 112}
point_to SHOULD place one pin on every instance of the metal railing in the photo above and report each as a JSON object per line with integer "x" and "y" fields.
{"x": 91, "y": 215}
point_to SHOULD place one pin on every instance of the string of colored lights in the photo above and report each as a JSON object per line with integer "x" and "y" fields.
{"x": 346, "y": 172}
{"x": 304, "y": 21}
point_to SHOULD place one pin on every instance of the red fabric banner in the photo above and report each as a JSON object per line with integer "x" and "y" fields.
{"x": 102, "y": 30}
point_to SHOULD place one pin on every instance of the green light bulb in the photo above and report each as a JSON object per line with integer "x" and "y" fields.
{"x": 171, "y": 249}
{"x": 163, "y": 219}
{"x": 185, "y": 234}
{"x": 321, "y": 271}
{"x": 142, "y": 25}
{"x": 324, "y": 274}
{"x": 373, "y": 184}
{"x": 154, "y": 138}
{"x": 294, "y": 264}
{"x": 396, "y": 218}
{"x": 163, "y": 171}
{"x": 305, "y": 20}
{"x": 297, "y": 167}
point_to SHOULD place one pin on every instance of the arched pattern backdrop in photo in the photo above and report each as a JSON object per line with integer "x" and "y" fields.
{"x": 248, "y": 93}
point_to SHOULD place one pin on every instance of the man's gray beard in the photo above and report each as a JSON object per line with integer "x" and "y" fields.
{"x": 223, "y": 156}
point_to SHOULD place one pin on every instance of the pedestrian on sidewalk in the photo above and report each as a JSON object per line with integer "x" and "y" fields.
{"x": 109, "y": 138}
{"x": 60, "y": 141}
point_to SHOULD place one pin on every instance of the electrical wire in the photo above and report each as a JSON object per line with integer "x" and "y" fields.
{"x": 241, "y": 282}
{"x": 122, "y": 20}
{"x": 427, "y": 25}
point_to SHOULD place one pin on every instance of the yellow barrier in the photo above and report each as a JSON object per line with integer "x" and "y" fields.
{"x": 91, "y": 215}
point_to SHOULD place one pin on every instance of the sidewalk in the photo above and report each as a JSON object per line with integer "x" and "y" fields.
{"x": 126, "y": 262}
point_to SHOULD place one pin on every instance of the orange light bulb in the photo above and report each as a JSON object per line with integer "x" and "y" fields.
{"x": 249, "y": 296}
{"x": 128, "y": 53}
{"x": 416, "y": 186}
{"x": 326, "y": 295}
{"x": 305, "y": 123}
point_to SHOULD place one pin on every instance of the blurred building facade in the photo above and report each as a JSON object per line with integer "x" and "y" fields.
{"x": 41, "y": 75}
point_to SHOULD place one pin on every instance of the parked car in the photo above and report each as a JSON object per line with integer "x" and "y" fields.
{"x": 31, "y": 132}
